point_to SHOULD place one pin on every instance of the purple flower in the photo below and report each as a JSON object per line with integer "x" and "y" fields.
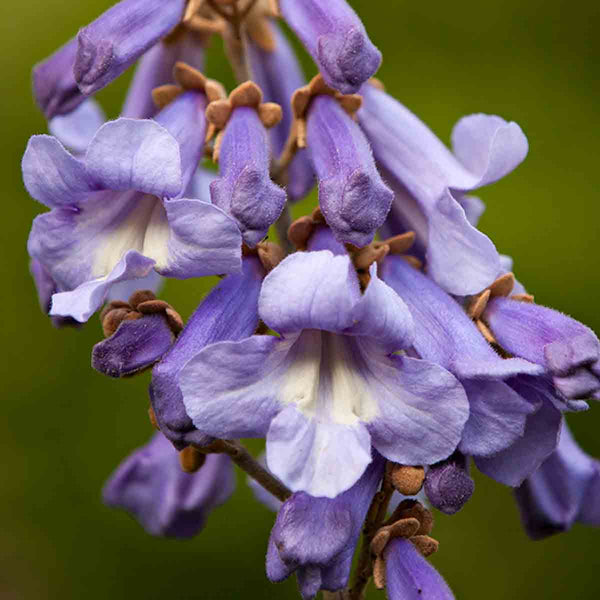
{"x": 409, "y": 576}
{"x": 229, "y": 312}
{"x": 116, "y": 39}
{"x": 336, "y": 38}
{"x": 429, "y": 182}
{"x": 568, "y": 350}
{"x": 77, "y": 129}
{"x": 54, "y": 86}
{"x": 352, "y": 195}
{"x": 151, "y": 485}
{"x": 244, "y": 189}
{"x": 445, "y": 335}
{"x": 117, "y": 213}
{"x": 316, "y": 537}
{"x": 267, "y": 67}
{"x": 448, "y": 485}
{"x": 564, "y": 490}
{"x": 330, "y": 385}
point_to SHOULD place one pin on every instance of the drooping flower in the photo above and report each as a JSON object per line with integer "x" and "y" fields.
{"x": 429, "y": 182}
{"x": 336, "y": 38}
{"x": 563, "y": 491}
{"x": 229, "y": 312}
{"x": 317, "y": 537}
{"x": 151, "y": 485}
{"x": 331, "y": 385}
{"x": 118, "y": 213}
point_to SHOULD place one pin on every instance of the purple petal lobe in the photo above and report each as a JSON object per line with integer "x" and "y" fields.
{"x": 76, "y": 129}
{"x": 352, "y": 195}
{"x": 321, "y": 458}
{"x": 129, "y": 154}
{"x": 116, "y": 39}
{"x": 82, "y": 302}
{"x": 229, "y": 312}
{"x": 244, "y": 188}
{"x": 54, "y": 85}
{"x": 134, "y": 346}
{"x": 336, "y": 38}
{"x": 323, "y": 290}
{"x": 166, "y": 501}
{"x": 409, "y": 576}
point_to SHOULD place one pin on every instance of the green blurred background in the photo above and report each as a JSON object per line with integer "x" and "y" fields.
{"x": 64, "y": 427}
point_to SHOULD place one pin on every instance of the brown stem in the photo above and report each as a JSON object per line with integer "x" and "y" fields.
{"x": 373, "y": 522}
{"x": 245, "y": 461}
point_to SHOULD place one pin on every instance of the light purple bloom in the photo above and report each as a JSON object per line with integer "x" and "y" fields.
{"x": 229, "y": 312}
{"x": 330, "y": 385}
{"x": 336, "y": 38}
{"x": 117, "y": 213}
{"x": 116, "y": 39}
{"x": 429, "y": 182}
{"x": 448, "y": 485}
{"x": 352, "y": 195}
{"x": 244, "y": 189}
{"x": 54, "y": 86}
{"x": 166, "y": 501}
{"x": 77, "y": 129}
{"x": 445, "y": 335}
{"x": 568, "y": 350}
{"x": 409, "y": 576}
{"x": 563, "y": 491}
{"x": 278, "y": 75}
{"x": 316, "y": 537}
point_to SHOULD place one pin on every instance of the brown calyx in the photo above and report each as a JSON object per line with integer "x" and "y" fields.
{"x": 502, "y": 287}
{"x": 191, "y": 459}
{"x": 247, "y": 94}
{"x": 141, "y": 302}
{"x": 411, "y": 521}
{"x": 406, "y": 479}
{"x": 300, "y": 231}
{"x": 270, "y": 254}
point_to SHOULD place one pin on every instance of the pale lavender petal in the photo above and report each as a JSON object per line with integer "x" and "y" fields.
{"x": 76, "y": 129}
{"x": 324, "y": 289}
{"x": 202, "y": 240}
{"x": 129, "y": 154}
{"x": 152, "y": 487}
{"x": 135, "y": 345}
{"x": 155, "y": 68}
{"x": 266, "y": 68}
{"x": 123, "y": 290}
{"x": 52, "y": 176}
{"x": 54, "y": 85}
{"x": 354, "y": 199}
{"x": 409, "y": 576}
{"x": 444, "y": 334}
{"x": 497, "y": 417}
{"x": 336, "y": 38}
{"x": 322, "y": 238}
{"x": 513, "y": 465}
{"x": 422, "y": 408}
{"x": 552, "y": 498}
{"x": 448, "y": 485}
{"x": 229, "y": 312}
{"x": 116, "y": 39}
{"x": 472, "y": 206}
{"x": 244, "y": 188}
{"x": 84, "y": 300}
{"x": 199, "y": 185}
{"x": 321, "y": 458}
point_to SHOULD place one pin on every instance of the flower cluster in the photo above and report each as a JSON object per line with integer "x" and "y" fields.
{"x": 381, "y": 345}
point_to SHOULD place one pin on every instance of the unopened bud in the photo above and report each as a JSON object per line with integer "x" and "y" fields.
{"x": 407, "y": 480}
{"x": 448, "y": 485}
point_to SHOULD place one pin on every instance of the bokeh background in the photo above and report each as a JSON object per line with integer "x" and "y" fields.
{"x": 63, "y": 427}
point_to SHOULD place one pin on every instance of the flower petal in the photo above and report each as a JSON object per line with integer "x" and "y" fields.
{"x": 76, "y": 129}
{"x": 318, "y": 457}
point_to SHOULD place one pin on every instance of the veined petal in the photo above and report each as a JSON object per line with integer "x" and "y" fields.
{"x": 53, "y": 176}
{"x": 353, "y": 197}
{"x": 422, "y": 408}
{"x": 319, "y": 457}
{"x": 336, "y": 39}
{"x": 76, "y": 129}
{"x": 244, "y": 188}
{"x": 54, "y": 85}
{"x": 229, "y": 312}
{"x": 310, "y": 290}
{"x": 84, "y": 300}
{"x": 130, "y": 154}
{"x": 116, "y": 39}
